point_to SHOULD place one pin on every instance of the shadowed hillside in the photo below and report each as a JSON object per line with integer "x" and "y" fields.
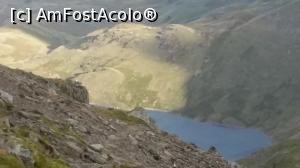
{"x": 285, "y": 155}
{"x": 251, "y": 76}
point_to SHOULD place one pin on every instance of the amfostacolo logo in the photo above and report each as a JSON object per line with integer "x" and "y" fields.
{"x": 93, "y": 15}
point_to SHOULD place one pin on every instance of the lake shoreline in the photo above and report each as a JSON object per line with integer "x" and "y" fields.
{"x": 239, "y": 143}
{"x": 215, "y": 122}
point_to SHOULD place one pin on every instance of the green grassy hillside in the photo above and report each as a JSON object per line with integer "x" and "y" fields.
{"x": 283, "y": 155}
{"x": 18, "y": 49}
{"x": 125, "y": 66}
{"x": 251, "y": 75}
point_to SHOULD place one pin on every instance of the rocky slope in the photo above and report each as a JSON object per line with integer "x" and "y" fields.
{"x": 47, "y": 123}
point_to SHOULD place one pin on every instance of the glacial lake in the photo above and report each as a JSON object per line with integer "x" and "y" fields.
{"x": 233, "y": 143}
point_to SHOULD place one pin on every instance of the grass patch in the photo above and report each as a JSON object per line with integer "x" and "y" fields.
{"x": 61, "y": 130}
{"x": 122, "y": 116}
{"x": 10, "y": 161}
{"x": 40, "y": 156}
{"x": 135, "y": 90}
{"x": 42, "y": 161}
{"x": 123, "y": 166}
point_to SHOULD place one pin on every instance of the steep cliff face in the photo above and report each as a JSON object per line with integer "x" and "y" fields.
{"x": 43, "y": 125}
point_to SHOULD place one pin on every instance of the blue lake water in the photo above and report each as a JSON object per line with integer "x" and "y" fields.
{"x": 232, "y": 143}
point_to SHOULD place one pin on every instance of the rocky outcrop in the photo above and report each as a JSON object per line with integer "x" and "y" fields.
{"x": 6, "y": 97}
{"x": 47, "y": 127}
{"x": 6, "y": 101}
{"x": 73, "y": 89}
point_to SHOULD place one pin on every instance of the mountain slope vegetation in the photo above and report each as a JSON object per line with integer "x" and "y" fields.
{"x": 133, "y": 62}
{"x": 285, "y": 155}
{"x": 251, "y": 74}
